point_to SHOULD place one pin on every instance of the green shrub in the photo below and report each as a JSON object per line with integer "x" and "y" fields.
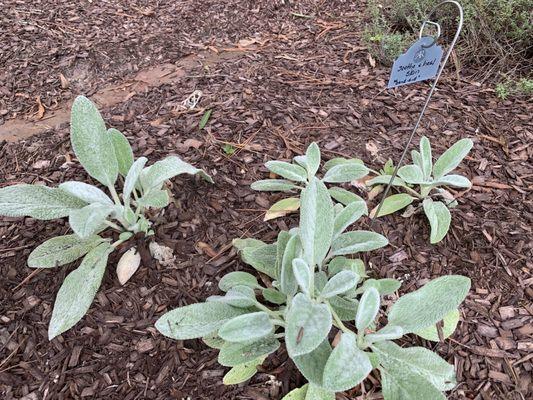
{"x": 510, "y": 87}
{"x": 495, "y": 32}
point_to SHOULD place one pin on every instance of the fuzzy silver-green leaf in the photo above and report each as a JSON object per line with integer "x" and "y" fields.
{"x": 316, "y": 222}
{"x": 308, "y": 324}
{"x": 347, "y": 365}
{"x": 246, "y": 327}
{"x": 78, "y": 290}
{"x": 196, "y": 320}
{"x": 429, "y": 304}
{"x": 85, "y": 192}
{"x": 61, "y": 250}
{"x": 37, "y": 201}
{"x": 123, "y": 150}
{"x": 91, "y": 143}
{"x": 88, "y": 220}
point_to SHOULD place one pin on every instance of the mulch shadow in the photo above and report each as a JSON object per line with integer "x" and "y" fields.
{"x": 312, "y": 81}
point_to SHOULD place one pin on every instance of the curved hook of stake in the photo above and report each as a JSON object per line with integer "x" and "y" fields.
{"x": 459, "y": 25}
{"x": 452, "y": 44}
{"x": 435, "y": 38}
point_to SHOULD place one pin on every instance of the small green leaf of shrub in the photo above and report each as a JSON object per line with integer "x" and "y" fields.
{"x": 205, "y": 119}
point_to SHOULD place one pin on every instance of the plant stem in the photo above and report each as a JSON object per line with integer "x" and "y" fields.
{"x": 338, "y": 321}
{"x": 117, "y": 243}
{"x": 275, "y": 314}
{"x": 114, "y": 226}
{"x": 114, "y": 194}
{"x": 278, "y": 322}
{"x": 413, "y": 192}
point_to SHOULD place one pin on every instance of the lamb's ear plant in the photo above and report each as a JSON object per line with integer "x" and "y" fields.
{"x": 302, "y": 171}
{"x": 316, "y": 293}
{"x": 105, "y": 154}
{"x": 431, "y": 180}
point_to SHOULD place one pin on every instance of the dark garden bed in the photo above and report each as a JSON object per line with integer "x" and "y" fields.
{"x": 297, "y": 80}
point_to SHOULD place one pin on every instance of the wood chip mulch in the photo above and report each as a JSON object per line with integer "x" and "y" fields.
{"x": 298, "y": 80}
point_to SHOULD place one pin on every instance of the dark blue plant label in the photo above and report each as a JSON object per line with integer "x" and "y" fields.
{"x": 416, "y": 64}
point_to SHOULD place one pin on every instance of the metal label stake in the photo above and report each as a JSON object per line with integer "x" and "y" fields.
{"x": 423, "y": 45}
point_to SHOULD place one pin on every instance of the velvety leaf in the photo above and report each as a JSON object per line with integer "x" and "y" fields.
{"x": 450, "y": 321}
{"x": 344, "y": 196}
{"x": 274, "y": 296}
{"x": 345, "y": 173}
{"x": 123, "y": 150}
{"x": 368, "y": 308}
{"x": 302, "y": 274}
{"x": 196, "y": 320}
{"x": 342, "y": 263}
{"x": 232, "y": 354}
{"x": 417, "y": 159}
{"x": 287, "y": 170}
{"x": 85, "y": 192}
{"x": 78, "y": 290}
{"x": 288, "y": 283}
{"x": 238, "y": 296}
{"x": 345, "y": 309}
{"x": 347, "y": 365}
{"x": 439, "y": 219}
{"x": 315, "y": 392}
{"x": 262, "y": 258}
{"x": 308, "y": 324}
{"x": 389, "y": 332}
{"x": 321, "y": 278}
{"x": 429, "y": 304}
{"x": 297, "y": 394}
{"x": 384, "y": 286}
{"x": 341, "y": 161}
{"x": 214, "y": 341}
{"x": 37, "y": 201}
{"x": 340, "y": 283}
{"x": 237, "y": 278}
{"x": 407, "y": 386}
{"x": 273, "y": 185}
{"x": 312, "y": 364}
{"x": 301, "y": 161}
{"x": 392, "y": 204}
{"x": 411, "y": 174}
{"x": 404, "y": 362}
{"x": 132, "y": 177}
{"x": 388, "y": 167}
{"x": 425, "y": 157}
{"x": 312, "y": 159}
{"x": 241, "y": 244}
{"x": 357, "y": 241}
{"x": 88, "y": 220}
{"x": 61, "y": 250}
{"x": 282, "y": 208}
{"x": 451, "y": 158}
{"x": 246, "y": 327}
{"x": 167, "y": 169}
{"x": 384, "y": 180}
{"x": 453, "y": 180}
{"x": 91, "y": 143}
{"x": 351, "y": 213}
{"x": 242, "y": 372}
{"x": 155, "y": 198}
{"x": 316, "y": 222}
